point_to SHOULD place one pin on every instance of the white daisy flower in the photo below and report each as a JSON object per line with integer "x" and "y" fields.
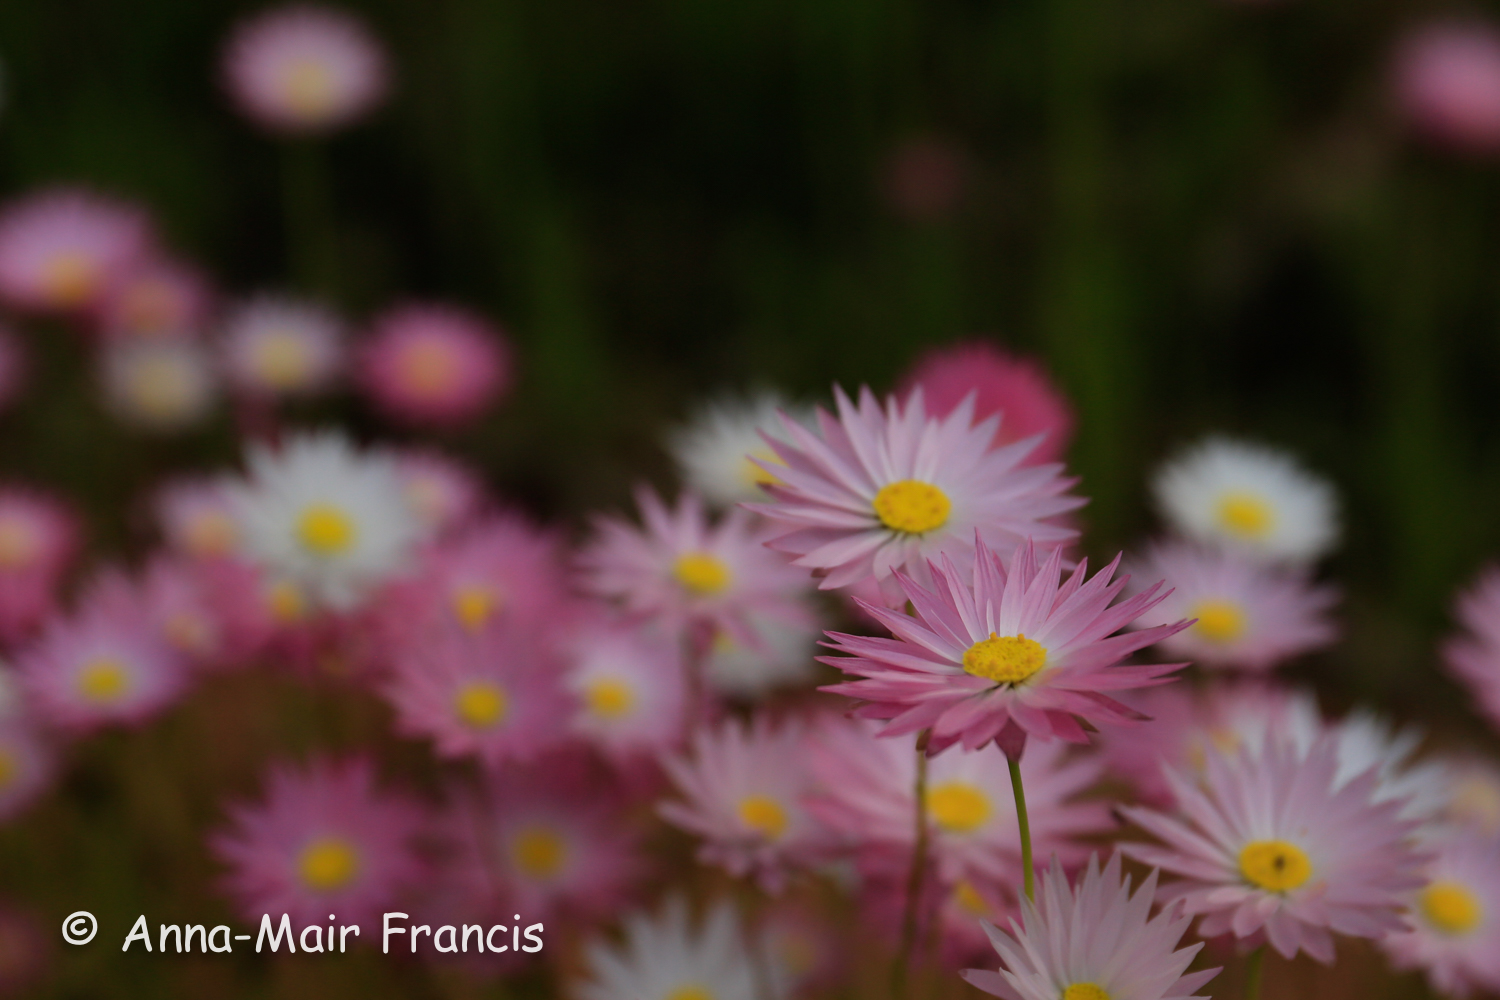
{"x": 667, "y": 959}
{"x": 321, "y": 514}
{"x": 713, "y": 450}
{"x": 158, "y": 384}
{"x": 1248, "y": 496}
{"x": 784, "y": 658}
{"x": 276, "y": 346}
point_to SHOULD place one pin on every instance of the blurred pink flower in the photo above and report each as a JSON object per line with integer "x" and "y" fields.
{"x": 1454, "y": 919}
{"x": 61, "y": 248}
{"x": 997, "y": 655}
{"x": 442, "y": 492}
{"x": 880, "y": 490}
{"x": 157, "y": 297}
{"x": 1447, "y": 81}
{"x": 1271, "y": 846}
{"x": 629, "y": 688}
{"x": 39, "y": 537}
{"x": 1017, "y": 388}
{"x": 305, "y": 69}
{"x": 323, "y": 839}
{"x": 960, "y": 908}
{"x": 1473, "y": 656}
{"x": 27, "y": 765}
{"x": 197, "y": 518}
{"x": 274, "y": 346}
{"x": 434, "y": 365}
{"x": 14, "y": 366}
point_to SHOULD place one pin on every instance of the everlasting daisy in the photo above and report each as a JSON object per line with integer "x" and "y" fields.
{"x": 442, "y": 492}
{"x": 61, "y": 248}
{"x": 866, "y": 793}
{"x": 158, "y": 384}
{"x": 157, "y": 297}
{"x": 1474, "y": 655}
{"x": 667, "y": 958}
{"x": 997, "y": 655}
{"x": 1447, "y": 82}
{"x": 714, "y": 449}
{"x": 1094, "y": 941}
{"x": 13, "y": 366}
{"x": 1250, "y": 616}
{"x": 329, "y": 518}
{"x": 1249, "y": 497}
{"x": 26, "y": 766}
{"x": 880, "y": 490}
{"x": 38, "y": 540}
{"x": 687, "y": 572}
{"x": 427, "y": 364}
{"x": 1473, "y": 796}
{"x": 323, "y": 839}
{"x": 197, "y": 518}
{"x": 1454, "y": 919}
{"x": 493, "y": 694}
{"x": 743, "y": 791}
{"x": 629, "y": 689}
{"x": 1272, "y": 847}
{"x": 274, "y": 346}
{"x": 782, "y": 657}
{"x": 305, "y": 69}
{"x": 1018, "y": 388}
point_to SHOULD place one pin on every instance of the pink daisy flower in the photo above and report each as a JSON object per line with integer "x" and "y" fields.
{"x": 1272, "y": 847}
{"x": 103, "y": 664}
{"x": 866, "y": 794}
{"x": 436, "y": 365}
{"x": 27, "y": 764}
{"x": 1473, "y": 796}
{"x": 158, "y": 385}
{"x": 273, "y": 346}
{"x": 997, "y": 655}
{"x": 1092, "y": 941}
{"x": 689, "y": 573}
{"x": 157, "y": 297}
{"x": 61, "y": 248}
{"x": 1447, "y": 82}
{"x": 629, "y": 688}
{"x": 1454, "y": 919}
{"x": 1017, "y": 388}
{"x": 39, "y": 537}
{"x": 1250, "y": 615}
{"x": 881, "y": 490}
{"x": 492, "y": 694}
{"x": 743, "y": 790}
{"x": 805, "y": 951}
{"x": 196, "y": 517}
{"x": 14, "y": 366}
{"x": 1474, "y": 655}
{"x": 322, "y": 840}
{"x": 442, "y": 492}
{"x": 305, "y": 69}
{"x": 209, "y": 612}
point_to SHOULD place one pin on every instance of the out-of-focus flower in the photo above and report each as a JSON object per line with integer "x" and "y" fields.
{"x": 958, "y": 908}
{"x": 714, "y": 449}
{"x": 1093, "y": 942}
{"x": 1474, "y": 655}
{"x": 630, "y": 690}
{"x": 155, "y": 298}
{"x": 442, "y": 492}
{"x": 102, "y": 664}
{"x": 924, "y": 178}
{"x": 802, "y": 948}
{"x": 197, "y": 519}
{"x": 880, "y": 490}
{"x": 667, "y": 958}
{"x": 304, "y": 69}
{"x": 274, "y": 346}
{"x": 434, "y": 365}
{"x": 1473, "y": 796}
{"x": 1017, "y": 388}
{"x": 1250, "y": 615}
{"x": 782, "y": 657}
{"x": 162, "y": 385}
{"x": 1271, "y": 847}
{"x": 323, "y": 840}
{"x": 493, "y": 694}
{"x": 744, "y": 790}
{"x": 61, "y": 248}
{"x": 1250, "y": 497}
{"x": 205, "y": 610}
{"x": 27, "y": 763}
{"x": 997, "y": 655}
{"x": 1447, "y": 82}
{"x": 39, "y": 537}
{"x": 688, "y": 573}
{"x": 14, "y": 366}
{"x": 1455, "y": 919}
{"x": 866, "y": 794}
{"x": 326, "y": 516}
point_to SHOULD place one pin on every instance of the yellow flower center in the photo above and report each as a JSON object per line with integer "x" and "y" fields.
{"x": 286, "y": 602}
{"x": 1085, "y": 991}
{"x": 212, "y": 533}
{"x": 1219, "y": 621}
{"x": 609, "y": 697}
{"x": 103, "y": 680}
{"x": 325, "y": 530}
{"x": 161, "y": 386}
{"x": 968, "y": 899}
{"x": 1274, "y": 865}
{"x": 8, "y": 768}
{"x": 764, "y": 815}
{"x": 70, "y": 278}
{"x": 539, "y": 852}
{"x": 480, "y": 704}
{"x": 1245, "y": 514}
{"x": 701, "y": 573}
{"x": 912, "y": 506}
{"x": 430, "y": 367}
{"x": 475, "y": 605}
{"x": 1450, "y": 907}
{"x": 958, "y": 807}
{"x": 692, "y": 991}
{"x": 281, "y": 360}
{"x": 1005, "y": 659}
{"x": 329, "y": 864}
{"x": 754, "y": 475}
{"x": 307, "y": 87}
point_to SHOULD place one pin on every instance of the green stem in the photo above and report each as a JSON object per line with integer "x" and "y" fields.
{"x": 1024, "y": 822}
{"x": 1252, "y": 973}
{"x": 312, "y": 251}
{"x": 914, "y": 879}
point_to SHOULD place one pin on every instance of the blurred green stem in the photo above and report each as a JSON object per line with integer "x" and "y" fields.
{"x": 1024, "y": 822}
{"x": 900, "y": 970}
{"x": 1252, "y": 973}
{"x": 307, "y": 207}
